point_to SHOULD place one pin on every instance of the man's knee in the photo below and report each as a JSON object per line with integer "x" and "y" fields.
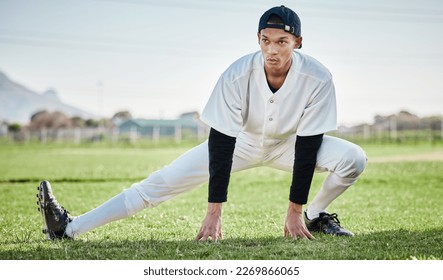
{"x": 353, "y": 163}
{"x": 133, "y": 201}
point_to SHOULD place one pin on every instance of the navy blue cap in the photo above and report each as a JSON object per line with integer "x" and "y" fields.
{"x": 290, "y": 19}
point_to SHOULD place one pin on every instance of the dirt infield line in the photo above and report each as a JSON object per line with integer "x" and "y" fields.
{"x": 431, "y": 156}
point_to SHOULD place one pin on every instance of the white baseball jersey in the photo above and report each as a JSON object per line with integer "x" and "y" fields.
{"x": 243, "y": 106}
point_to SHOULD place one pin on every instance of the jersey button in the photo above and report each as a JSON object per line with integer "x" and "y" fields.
{"x": 271, "y": 119}
{"x": 271, "y": 101}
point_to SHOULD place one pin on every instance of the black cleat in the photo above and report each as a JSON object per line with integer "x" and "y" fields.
{"x": 55, "y": 217}
{"x": 328, "y": 224}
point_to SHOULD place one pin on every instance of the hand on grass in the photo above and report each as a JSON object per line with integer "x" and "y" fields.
{"x": 211, "y": 226}
{"x": 295, "y": 226}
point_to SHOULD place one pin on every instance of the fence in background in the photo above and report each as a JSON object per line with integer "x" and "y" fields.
{"x": 102, "y": 134}
{"x": 362, "y": 134}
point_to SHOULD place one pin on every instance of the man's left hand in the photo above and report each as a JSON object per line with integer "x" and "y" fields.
{"x": 295, "y": 225}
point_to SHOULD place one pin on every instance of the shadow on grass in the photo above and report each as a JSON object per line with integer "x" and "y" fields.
{"x": 398, "y": 245}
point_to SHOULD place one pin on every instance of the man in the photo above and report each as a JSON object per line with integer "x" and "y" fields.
{"x": 270, "y": 108}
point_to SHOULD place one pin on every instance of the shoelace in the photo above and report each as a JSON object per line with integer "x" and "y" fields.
{"x": 62, "y": 209}
{"x": 332, "y": 218}
{"x": 65, "y": 212}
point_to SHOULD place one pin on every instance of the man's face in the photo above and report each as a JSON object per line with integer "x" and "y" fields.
{"x": 277, "y": 47}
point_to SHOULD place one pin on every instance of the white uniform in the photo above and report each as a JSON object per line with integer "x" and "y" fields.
{"x": 265, "y": 124}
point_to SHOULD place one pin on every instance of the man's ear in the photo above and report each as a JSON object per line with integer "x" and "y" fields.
{"x": 258, "y": 37}
{"x": 298, "y": 41}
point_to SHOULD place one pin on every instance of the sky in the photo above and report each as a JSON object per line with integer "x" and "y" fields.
{"x": 159, "y": 59}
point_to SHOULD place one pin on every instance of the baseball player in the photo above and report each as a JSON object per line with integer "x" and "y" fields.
{"x": 269, "y": 108}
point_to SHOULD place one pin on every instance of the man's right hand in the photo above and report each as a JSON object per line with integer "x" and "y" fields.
{"x": 211, "y": 226}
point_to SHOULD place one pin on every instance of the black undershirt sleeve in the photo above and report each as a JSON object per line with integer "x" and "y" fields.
{"x": 221, "y": 150}
{"x": 306, "y": 148}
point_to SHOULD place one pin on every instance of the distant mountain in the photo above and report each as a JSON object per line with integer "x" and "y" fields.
{"x": 18, "y": 104}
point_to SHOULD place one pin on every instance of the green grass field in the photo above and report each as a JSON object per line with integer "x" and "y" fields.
{"x": 395, "y": 209}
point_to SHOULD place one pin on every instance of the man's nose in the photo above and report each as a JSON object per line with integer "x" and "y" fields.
{"x": 272, "y": 48}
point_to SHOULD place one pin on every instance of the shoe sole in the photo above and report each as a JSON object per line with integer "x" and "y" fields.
{"x": 41, "y": 202}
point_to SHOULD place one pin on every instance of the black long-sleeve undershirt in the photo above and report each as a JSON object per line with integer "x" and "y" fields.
{"x": 221, "y": 150}
{"x": 306, "y": 148}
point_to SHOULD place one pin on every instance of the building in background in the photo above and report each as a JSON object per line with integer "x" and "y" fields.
{"x": 187, "y": 126}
